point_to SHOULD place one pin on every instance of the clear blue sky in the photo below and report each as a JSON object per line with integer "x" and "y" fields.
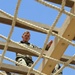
{"x": 32, "y": 10}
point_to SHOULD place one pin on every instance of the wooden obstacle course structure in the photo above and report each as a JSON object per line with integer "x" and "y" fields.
{"x": 64, "y": 36}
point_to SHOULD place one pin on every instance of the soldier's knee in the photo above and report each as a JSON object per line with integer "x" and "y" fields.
{"x": 21, "y": 61}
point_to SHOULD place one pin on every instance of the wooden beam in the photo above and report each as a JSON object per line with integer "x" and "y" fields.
{"x": 15, "y": 48}
{"x": 7, "y": 19}
{"x": 15, "y": 69}
{"x": 58, "y": 48}
{"x": 65, "y": 58}
{"x": 69, "y": 3}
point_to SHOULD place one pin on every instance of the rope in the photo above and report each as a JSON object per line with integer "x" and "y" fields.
{"x": 33, "y": 50}
{"x": 68, "y": 62}
{"x": 54, "y": 24}
{"x": 12, "y": 28}
{"x": 47, "y": 57}
{"x": 26, "y": 23}
{"x": 49, "y": 32}
{"x": 55, "y": 7}
{"x": 22, "y": 65}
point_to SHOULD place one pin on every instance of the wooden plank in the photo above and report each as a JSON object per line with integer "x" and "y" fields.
{"x": 58, "y": 48}
{"x": 65, "y": 58}
{"x": 7, "y": 19}
{"x": 15, "y": 48}
{"x": 69, "y": 3}
{"x": 15, "y": 69}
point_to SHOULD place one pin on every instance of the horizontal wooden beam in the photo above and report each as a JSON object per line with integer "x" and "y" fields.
{"x": 69, "y": 3}
{"x": 7, "y": 19}
{"x": 15, "y": 48}
{"x": 15, "y": 69}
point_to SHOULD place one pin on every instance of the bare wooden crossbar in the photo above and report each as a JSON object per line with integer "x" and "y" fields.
{"x": 15, "y": 48}
{"x": 5, "y": 18}
{"x": 8, "y": 20}
{"x": 15, "y": 69}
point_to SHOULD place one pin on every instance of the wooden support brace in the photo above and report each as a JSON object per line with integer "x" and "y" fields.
{"x": 58, "y": 48}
